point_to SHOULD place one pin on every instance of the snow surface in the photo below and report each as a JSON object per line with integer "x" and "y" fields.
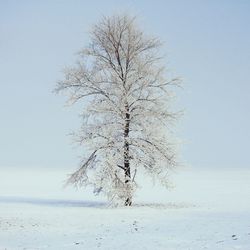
{"x": 208, "y": 209}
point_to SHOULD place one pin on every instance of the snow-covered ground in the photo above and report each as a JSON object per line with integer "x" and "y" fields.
{"x": 208, "y": 209}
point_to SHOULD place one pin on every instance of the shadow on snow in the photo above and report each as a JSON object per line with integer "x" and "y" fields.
{"x": 51, "y": 202}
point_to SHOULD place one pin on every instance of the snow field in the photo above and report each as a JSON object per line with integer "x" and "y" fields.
{"x": 208, "y": 209}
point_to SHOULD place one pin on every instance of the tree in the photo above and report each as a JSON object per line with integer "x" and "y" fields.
{"x": 127, "y": 117}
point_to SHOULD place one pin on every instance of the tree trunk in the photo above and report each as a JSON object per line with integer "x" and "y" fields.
{"x": 128, "y": 199}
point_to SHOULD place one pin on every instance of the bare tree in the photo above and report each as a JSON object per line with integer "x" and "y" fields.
{"x": 127, "y": 116}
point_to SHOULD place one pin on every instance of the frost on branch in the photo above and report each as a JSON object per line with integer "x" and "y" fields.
{"x": 80, "y": 177}
{"x": 127, "y": 116}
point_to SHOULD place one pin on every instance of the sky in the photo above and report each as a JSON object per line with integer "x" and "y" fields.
{"x": 207, "y": 44}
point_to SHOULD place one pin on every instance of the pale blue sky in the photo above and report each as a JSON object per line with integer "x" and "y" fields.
{"x": 207, "y": 43}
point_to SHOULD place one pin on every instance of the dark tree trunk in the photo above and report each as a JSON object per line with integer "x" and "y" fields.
{"x": 128, "y": 200}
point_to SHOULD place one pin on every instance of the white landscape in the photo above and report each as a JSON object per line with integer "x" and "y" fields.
{"x": 153, "y": 94}
{"x": 207, "y": 209}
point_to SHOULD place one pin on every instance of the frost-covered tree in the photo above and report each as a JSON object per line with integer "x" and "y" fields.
{"x": 126, "y": 117}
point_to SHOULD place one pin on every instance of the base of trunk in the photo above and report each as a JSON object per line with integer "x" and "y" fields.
{"x": 128, "y": 202}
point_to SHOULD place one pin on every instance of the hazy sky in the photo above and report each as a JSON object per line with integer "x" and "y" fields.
{"x": 207, "y": 43}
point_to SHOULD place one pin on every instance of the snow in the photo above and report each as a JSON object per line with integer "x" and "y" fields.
{"x": 208, "y": 209}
